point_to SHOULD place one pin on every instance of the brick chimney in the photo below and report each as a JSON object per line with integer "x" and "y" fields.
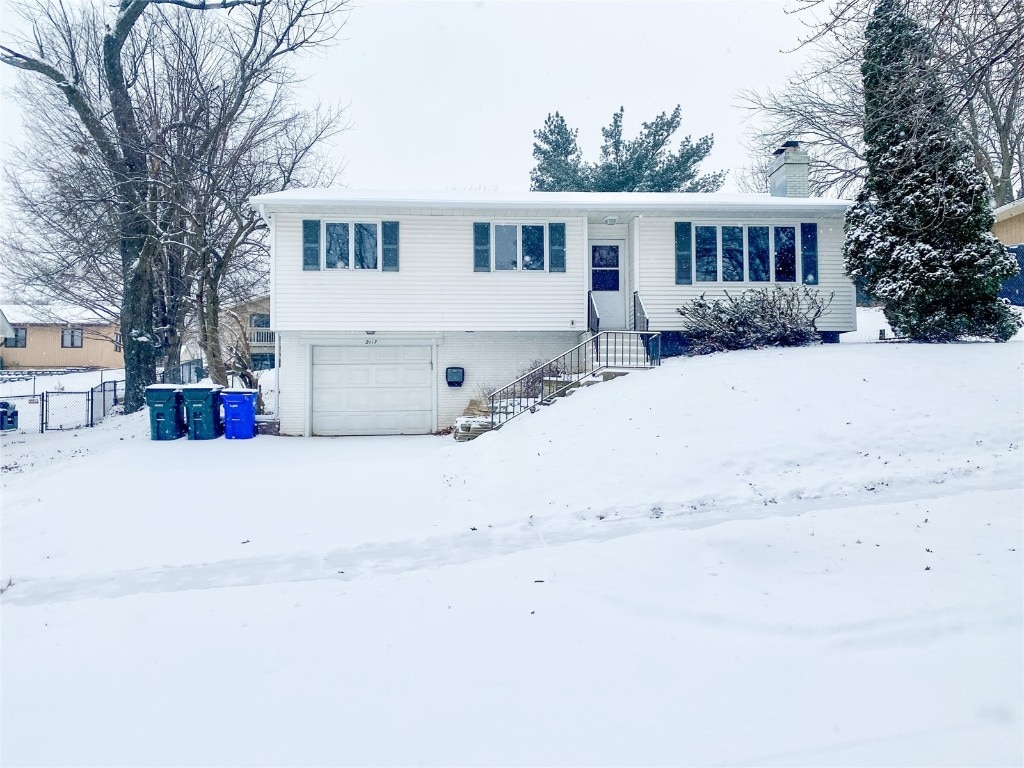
{"x": 787, "y": 174}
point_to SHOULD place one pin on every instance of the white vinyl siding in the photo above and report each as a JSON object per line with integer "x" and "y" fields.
{"x": 490, "y": 359}
{"x": 661, "y": 295}
{"x": 436, "y": 288}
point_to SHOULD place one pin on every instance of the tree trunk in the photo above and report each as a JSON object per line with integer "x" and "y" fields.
{"x": 208, "y": 317}
{"x": 140, "y": 348}
{"x": 214, "y": 352}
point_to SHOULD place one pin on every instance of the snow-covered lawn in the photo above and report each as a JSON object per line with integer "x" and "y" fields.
{"x": 80, "y": 381}
{"x": 783, "y": 557}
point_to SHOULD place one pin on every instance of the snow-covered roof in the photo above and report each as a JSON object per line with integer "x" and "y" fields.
{"x": 560, "y": 201}
{"x": 51, "y": 314}
{"x": 6, "y": 331}
{"x": 1015, "y": 208}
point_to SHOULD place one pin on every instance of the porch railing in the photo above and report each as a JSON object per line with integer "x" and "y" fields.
{"x": 261, "y": 336}
{"x": 608, "y": 349}
{"x": 593, "y": 316}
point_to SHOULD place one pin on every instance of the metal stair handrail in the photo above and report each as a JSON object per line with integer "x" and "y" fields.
{"x": 593, "y": 316}
{"x": 607, "y": 349}
{"x": 641, "y": 322}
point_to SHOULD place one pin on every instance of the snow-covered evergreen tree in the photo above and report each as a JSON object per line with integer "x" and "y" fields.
{"x": 919, "y": 236}
{"x": 644, "y": 164}
{"x": 559, "y": 160}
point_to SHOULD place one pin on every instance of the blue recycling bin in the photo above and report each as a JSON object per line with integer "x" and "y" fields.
{"x": 239, "y": 413}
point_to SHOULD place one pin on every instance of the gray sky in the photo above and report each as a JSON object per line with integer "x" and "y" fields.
{"x": 446, "y": 95}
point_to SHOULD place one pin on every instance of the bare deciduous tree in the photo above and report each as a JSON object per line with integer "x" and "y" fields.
{"x": 977, "y": 51}
{"x": 92, "y": 59}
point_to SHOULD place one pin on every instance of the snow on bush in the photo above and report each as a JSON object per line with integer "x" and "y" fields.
{"x": 762, "y": 317}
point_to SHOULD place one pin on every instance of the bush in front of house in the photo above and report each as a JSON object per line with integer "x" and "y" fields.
{"x": 760, "y": 317}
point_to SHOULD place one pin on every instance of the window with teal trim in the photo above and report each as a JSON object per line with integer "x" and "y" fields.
{"x": 809, "y": 253}
{"x": 759, "y": 255}
{"x": 732, "y": 254}
{"x": 511, "y": 247}
{"x": 311, "y": 244}
{"x": 785, "y": 254}
{"x": 556, "y": 248}
{"x": 707, "y": 254}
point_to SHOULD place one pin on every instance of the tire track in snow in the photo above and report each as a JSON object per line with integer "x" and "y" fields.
{"x": 397, "y": 557}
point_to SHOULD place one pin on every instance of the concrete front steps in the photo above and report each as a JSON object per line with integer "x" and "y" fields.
{"x": 476, "y": 419}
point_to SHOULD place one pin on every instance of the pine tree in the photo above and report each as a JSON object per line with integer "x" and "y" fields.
{"x": 644, "y": 164}
{"x": 919, "y": 235}
{"x": 559, "y": 160}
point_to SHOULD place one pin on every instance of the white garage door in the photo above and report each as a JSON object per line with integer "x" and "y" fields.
{"x": 373, "y": 390}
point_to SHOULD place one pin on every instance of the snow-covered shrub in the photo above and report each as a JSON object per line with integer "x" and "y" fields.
{"x": 761, "y": 317}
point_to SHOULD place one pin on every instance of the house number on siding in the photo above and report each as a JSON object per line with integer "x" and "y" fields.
{"x": 371, "y": 341}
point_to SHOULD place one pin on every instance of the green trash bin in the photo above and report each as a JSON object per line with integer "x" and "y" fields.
{"x": 166, "y": 420}
{"x": 202, "y": 412}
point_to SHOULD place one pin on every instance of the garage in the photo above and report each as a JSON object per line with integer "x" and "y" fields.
{"x": 373, "y": 389}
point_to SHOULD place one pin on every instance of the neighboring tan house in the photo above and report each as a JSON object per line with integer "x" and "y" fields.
{"x": 251, "y": 318}
{"x": 384, "y": 303}
{"x": 1009, "y": 228}
{"x": 50, "y": 336}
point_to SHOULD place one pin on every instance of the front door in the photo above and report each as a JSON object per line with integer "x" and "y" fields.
{"x": 607, "y": 262}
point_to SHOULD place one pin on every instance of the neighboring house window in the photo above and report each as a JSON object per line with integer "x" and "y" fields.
{"x": 18, "y": 340}
{"x": 263, "y": 361}
{"x": 259, "y": 320}
{"x": 117, "y": 342}
{"x": 71, "y": 337}
{"x": 518, "y": 247}
{"x": 360, "y": 245}
{"x": 753, "y": 254}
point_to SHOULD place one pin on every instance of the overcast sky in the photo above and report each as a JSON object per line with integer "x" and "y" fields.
{"x": 446, "y": 95}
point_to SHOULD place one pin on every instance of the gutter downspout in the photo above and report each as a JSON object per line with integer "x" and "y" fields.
{"x": 273, "y": 415}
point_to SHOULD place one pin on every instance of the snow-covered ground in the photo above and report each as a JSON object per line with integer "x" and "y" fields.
{"x": 782, "y": 557}
{"x": 81, "y": 381}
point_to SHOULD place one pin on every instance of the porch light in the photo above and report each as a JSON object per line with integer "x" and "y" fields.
{"x": 609, "y": 220}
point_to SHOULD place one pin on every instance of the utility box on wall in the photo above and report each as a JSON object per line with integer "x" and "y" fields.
{"x": 455, "y": 376}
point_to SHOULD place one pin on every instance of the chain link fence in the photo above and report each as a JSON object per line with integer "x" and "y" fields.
{"x": 29, "y": 409}
{"x": 189, "y": 372}
{"x": 60, "y": 410}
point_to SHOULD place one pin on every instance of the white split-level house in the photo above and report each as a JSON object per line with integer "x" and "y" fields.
{"x": 378, "y": 299}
